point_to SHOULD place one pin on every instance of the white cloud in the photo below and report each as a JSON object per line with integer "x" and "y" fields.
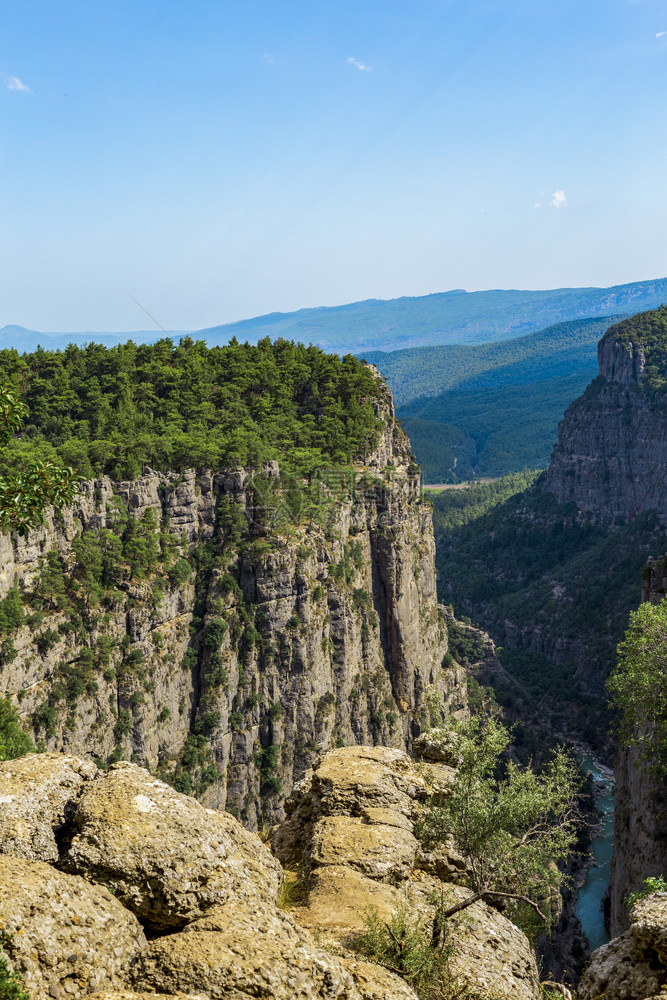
{"x": 359, "y": 65}
{"x": 659, "y": 34}
{"x": 558, "y": 199}
{"x": 537, "y": 204}
{"x": 13, "y": 83}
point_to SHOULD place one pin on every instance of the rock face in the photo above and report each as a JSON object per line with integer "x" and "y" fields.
{"x": 241, "y": 953}
{"x": 349, "y": 833}
{"x": 37, "y": 797}
{"x": 640, "y": 804}
{"x": 634, "y": 965}
{"x": 274, "y": 635}
{"x": 611, "y": 456}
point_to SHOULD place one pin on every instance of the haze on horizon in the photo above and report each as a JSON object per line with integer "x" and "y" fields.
{"x": 228, "y": 160}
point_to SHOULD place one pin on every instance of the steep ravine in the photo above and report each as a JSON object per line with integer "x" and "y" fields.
{"x": 255, "y": 645}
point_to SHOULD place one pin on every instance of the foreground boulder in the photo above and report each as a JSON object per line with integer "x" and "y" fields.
{"x": 632, "y": 966}
{"x": 193, "y": 872}
{"x": 350, "y": 834}
{"x": 38, "y": 795}
{"x": 238, "y": 952}
{"x": 68, "y": 937}
{"x": 166, "y": 858}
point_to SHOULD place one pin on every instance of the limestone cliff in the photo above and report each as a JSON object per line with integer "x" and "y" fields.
{"x": 274, "y": 634}
{"x": 611, "y": 456}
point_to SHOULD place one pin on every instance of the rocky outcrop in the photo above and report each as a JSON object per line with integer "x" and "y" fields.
{"x": 66, "y": 936}
{"x": 611, "y": 456}
{"x": 163, "y": 855}
{"x": 237, "y": 951}
{"x": 140, "y": 856}
{"x": 350, "y": 835}
{"x": 279, "y": 624}
{"x": 37, "y": 798}
{"x": 632, "y": 966}
{"x": 184, "y": 869}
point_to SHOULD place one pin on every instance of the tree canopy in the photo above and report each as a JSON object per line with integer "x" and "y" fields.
{"x": 511, "y": 824}
{"x": 638, "y": 685}
{"x": 24, "y": 493}
{"x": 114, "y": 410}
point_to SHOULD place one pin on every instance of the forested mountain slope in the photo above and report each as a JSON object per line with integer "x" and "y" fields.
{"x": 424, "y": 373}
{"x": 493, "y": 408}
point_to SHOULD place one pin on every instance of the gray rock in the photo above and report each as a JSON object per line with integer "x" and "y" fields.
{"x": 68, "y": 938}
{"x": 166, "y": 857}
{"x": 611, "y": 456}
{"x": 38, "y": 793}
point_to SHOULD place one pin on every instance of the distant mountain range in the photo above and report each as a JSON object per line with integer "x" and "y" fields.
{"x": 454, "y": 317}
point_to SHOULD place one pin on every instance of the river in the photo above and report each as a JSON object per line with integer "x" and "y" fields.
{"x": 588, "y": 907}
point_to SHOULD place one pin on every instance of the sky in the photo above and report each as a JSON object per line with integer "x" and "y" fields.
{"x": 215, "y": 160}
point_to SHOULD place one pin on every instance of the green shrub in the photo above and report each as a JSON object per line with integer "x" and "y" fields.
{"x": 216, "y": 629}
{"x": 404, "y": 944}
{"x": 13, "y": 741}
{"x": 651, "y": 886}
{"x": 11, "y": 984}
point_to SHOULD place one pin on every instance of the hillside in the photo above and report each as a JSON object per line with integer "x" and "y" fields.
{"x": 424, "y": 373}
{"x": 465, "y": 434}
{"x": 489, "y": 409}
{"x": 455, "y": 317}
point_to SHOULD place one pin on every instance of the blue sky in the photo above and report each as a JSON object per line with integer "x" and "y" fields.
{"x": 219, "y": 160}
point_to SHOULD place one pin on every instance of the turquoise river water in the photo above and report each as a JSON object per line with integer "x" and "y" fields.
{"x": 589, "y": 898}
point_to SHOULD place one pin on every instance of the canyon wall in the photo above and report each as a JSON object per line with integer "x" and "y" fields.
{"x": 611, "y": 456}
{"x": 275, "y": 633}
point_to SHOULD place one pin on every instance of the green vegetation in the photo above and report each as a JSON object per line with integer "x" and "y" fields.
{"x": 11, "y": 984}
{"x": 404, "y": 944}
{"x": 648, "y": 331}
{"x": 454, "y": 508}
{"x": 638, "y": 686}
{"x": 651, "y": 886}
{"x": 25, "y": 493}
{"x": 491, "y": 431}
{"x": 553, "y": 353}
{"x": 13, "y": 743}
{"x": 531, "y": 568}
{"x": 511, "y": 825}
{"x": 115, "y": 410}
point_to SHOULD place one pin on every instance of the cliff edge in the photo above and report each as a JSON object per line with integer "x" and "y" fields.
{"x": 224, "y": 628}
{"x": 611, "y": 456}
